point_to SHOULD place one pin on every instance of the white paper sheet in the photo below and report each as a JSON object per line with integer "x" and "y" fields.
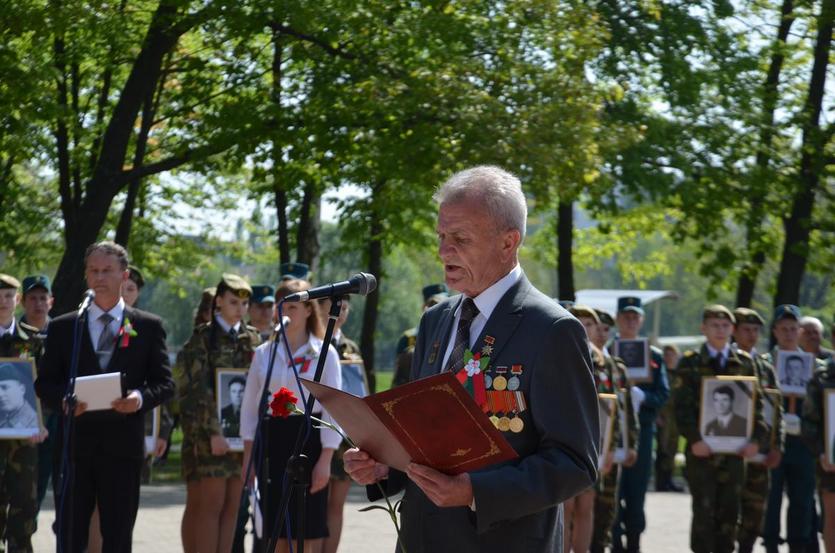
{"x": 99, "y": 390}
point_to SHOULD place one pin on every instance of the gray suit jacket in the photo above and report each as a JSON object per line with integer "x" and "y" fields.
{"x": 518, "y": 503}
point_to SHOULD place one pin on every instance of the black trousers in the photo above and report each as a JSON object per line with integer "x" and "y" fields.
{"x": 112, "y": 483}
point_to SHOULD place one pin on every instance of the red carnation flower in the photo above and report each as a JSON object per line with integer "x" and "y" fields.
{"x": 283, "y": 403}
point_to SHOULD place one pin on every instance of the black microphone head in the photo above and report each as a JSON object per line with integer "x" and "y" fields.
{"x": 366, "y": 283}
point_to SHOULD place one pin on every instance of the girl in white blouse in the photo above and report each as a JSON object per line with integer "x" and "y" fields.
{"x": 304, "y": 336}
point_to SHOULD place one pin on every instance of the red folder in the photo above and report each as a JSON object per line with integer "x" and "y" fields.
{"x": 432, "y": 421}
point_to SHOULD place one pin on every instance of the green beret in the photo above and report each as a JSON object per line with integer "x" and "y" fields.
{"x": 717, "y": 311}
{"x": 37, "y": 281}
{"x": 136, "y": 275}
{"x": 10, "y": 372}
{"x": 263, "y": 293}
{"x": 435, "y": 293}
{"x": 584, "y": 311}
{"x": 605, "y": 317}
{"x": 236, "y": 284}
{"x": 300, "y": 271}
{"x": 630, "y": 303}
{"x": 8, "y": 281}
{"x": 746, "y": 315}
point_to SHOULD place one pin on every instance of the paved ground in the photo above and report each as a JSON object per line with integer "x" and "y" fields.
{"x": 158, "y": 524}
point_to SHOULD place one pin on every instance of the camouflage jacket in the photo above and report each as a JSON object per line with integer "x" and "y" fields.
{"x": 813, "y": 421}
{"x": 610, "y": 378}
{"x": 687, "y": 392}
{"x": 195, "y": 370}
{"x": 768, "y": 382}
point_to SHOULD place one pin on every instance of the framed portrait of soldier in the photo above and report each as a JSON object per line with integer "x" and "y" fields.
{"x": 20, "y": 410}
{"x": 635, "y": 355}
{"x": 771, "y": 415}
{"x": 623, "y": 445}
{"x": 794, "y": 371}
{"x": 727, "y": 412}
{"x": 229, "y": 393}
{"x": 608, "y": 405}
{"x": 353, "y": 378}
{"x": 152, "y": 422}
{"x": 829, "y": 424}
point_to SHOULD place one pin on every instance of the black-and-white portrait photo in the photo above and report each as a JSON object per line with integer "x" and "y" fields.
{"x": 353, "y": 378}
{"x": 829, "y": 424}
{"x": 727, "y": 412}
{"x": 19, "y": 408}
{"x": 794, "y": 370}
{"x": 635, "y": 355}
{"x": 230, "y": 395}
{"x": 608, "y": 412}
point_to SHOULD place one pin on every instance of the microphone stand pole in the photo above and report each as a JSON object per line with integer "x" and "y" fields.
{"x": 63, "y": 526}
{"x": 298, "y": 466}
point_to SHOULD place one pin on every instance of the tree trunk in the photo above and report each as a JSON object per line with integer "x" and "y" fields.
{"x": 798, "y": 224}
{"x": 279, "y": 189}
{"x": 565, "y": 240}
{"x": 757, "y": 255}
{"x": 307, "y": 231}
{"x": 372, "y": 300}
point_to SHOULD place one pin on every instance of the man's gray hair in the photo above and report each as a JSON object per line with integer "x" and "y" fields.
{"x": 108, "y": 247}
{"x": 814, "y": 321}
{"x": 499, "y": 191}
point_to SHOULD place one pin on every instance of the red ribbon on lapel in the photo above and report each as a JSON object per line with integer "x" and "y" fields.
{"x": 305, "y": 364}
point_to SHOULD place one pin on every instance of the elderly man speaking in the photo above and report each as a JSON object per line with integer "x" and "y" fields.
{"x": 539, "y": 374}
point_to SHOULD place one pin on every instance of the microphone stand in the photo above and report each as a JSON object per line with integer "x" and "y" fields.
{"x": 261, "y": 439}
{"x": 298, "y": 465}
{"x": 68, "y": 449}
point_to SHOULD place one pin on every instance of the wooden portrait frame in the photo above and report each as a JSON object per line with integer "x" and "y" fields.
{"x": 236, "y": 443}
{"x": 635, "y": 373}
{"x": 608, "y": 408}
{"x": 31, "y": 399}
{"x": 734, "y": 443}
{"x": 151, "y": 439}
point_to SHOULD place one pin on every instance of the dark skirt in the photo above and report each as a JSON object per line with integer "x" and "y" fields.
{"x": 281, "y": 438}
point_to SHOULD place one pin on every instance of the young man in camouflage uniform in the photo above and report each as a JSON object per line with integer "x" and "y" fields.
{"x": 796, "y": 471}
{"x": 610, "y": 378}
{"x": 749, "y": 323}
{"x": 715, "y": 480}
{"x": 814, "y": 428}
{"x": 18, "y": 458}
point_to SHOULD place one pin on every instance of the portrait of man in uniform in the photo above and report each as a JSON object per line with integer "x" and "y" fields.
{"x": 794, "y": 370}
{"x": 635, "y": 355}
{"x": 230, "y": 396}
{"x": 18, "y": 407}
{"x": 727, "y": 411}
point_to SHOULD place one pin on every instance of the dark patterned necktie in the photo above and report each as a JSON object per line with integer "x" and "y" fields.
{"x": 107, "y": 341}
{"x": 462, "y": 338}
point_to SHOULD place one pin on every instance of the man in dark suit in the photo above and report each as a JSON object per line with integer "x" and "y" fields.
{"x": 539, "y": 364}
{"x": 726, "y": 423}
{"x": 230, "y": 414}
{"x": 107, "y": 446}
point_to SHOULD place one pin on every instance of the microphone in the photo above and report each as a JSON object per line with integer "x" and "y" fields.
{"x": 361, "y": 283}
{"x": 89, "y": 296}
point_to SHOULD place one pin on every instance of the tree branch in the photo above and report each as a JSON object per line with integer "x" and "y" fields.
{"x": 337, "y": 51}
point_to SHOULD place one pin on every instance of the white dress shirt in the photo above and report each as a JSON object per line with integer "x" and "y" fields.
{"x": 96, "y": 327}
{"x": 7, "y": 329}
{"x": 486, "y": 303}
{"x": 726, "y": 351}
{"x": 283, "y": 376}
{"x": 225, "y": 326}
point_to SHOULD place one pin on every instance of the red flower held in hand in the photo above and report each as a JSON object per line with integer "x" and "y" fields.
{"x": 283, "y": 403}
